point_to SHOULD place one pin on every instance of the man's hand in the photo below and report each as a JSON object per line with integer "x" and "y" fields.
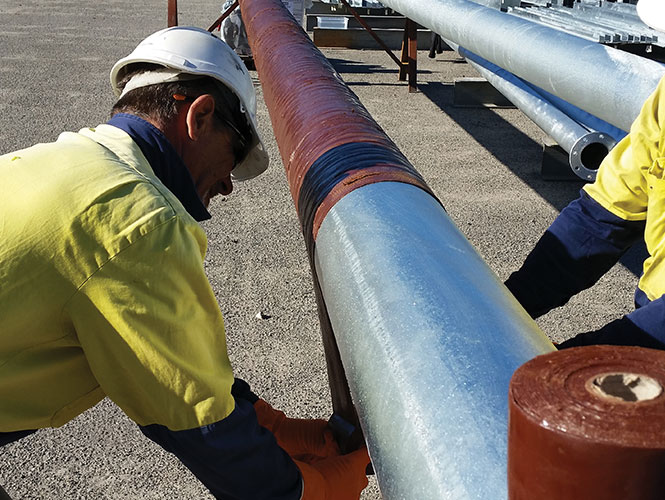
{"x": 335, "y": 478}
{"x": 301, "y": 438}
{"x": 327, "y": 475}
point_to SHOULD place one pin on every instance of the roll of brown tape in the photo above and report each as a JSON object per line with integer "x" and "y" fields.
{"x": 588, "y": 423}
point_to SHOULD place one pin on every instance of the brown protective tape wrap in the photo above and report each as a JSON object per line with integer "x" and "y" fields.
{"x": 311, "y": 109}
{"x": 358, "y": 179}
{"x": 588, "y": 423}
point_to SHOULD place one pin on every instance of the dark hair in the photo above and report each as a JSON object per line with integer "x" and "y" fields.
{"x": 157, "y": 102}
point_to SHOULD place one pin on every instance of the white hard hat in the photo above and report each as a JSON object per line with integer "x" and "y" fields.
{"x": 652, "y": 13}
{"x": 195, "y": 51}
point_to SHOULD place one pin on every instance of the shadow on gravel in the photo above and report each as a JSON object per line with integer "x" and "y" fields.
{"x": 343, "y": 66}
{"x": 351, "y": 83}
{"x": 518, "y": 152}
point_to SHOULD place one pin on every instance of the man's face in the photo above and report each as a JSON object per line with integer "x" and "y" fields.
{"x": 208, "y": 149}
{"x": 213, "y": 164}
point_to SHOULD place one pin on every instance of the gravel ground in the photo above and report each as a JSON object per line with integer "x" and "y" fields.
{"x": 484, "y": 164}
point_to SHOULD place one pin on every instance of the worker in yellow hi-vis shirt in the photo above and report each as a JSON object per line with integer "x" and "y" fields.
{"x": 625, "y": 204}
{"x": 102, "y": 285}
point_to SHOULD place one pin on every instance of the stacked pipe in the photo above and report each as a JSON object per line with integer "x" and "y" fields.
{"x": 606, "y": 82}
{"x": 427, "y": 334}
{"x": 562, "y": 82}
{"x": 585, "y": 146}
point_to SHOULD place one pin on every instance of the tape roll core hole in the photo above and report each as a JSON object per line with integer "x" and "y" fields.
{"x": 628, "y": 387}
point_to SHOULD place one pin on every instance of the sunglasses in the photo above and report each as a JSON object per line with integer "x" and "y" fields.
{"x": 240, "y": 145}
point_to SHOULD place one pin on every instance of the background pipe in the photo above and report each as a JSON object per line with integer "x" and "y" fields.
{"x": 428, "y": 335}
{"x": 580, "y": 116}
{"x": 586, "y": 148}
{"x": 606, "y": 82}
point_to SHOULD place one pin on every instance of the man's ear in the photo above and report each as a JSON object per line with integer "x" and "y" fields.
{"x": 200, "y": 116}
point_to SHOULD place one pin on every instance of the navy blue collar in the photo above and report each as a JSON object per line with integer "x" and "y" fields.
{"x": 164, "y": 160}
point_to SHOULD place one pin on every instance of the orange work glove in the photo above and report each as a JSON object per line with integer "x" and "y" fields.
{"x": 335, "y": 478}
{"x": 302, "y": 439}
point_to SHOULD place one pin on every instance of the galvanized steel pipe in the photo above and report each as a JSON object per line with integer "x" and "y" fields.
{"x": 428, "y": 335}
{"x": 429, "y": 339}
{"x": 579, "y": 115}
{"x": 606, "y": 82}
{"x": 586, "y": 149}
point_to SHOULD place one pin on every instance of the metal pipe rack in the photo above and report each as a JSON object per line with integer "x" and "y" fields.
{"x": 606, "y": 82}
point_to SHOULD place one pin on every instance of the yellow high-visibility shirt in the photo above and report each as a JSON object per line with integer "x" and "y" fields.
{"x": 103, "y": 291}
{"x": 631, "y": 185}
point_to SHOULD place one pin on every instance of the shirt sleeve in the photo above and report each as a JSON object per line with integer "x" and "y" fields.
{"x": 650, "y": 319}
{"x": 643, "y": 327}
{"x": 621, "y": 185}
{"x": 592, "y": 233}
{"x": 152, "y": 331}
{"x": 236, "y": 458}
{"x": 581, "y": 245}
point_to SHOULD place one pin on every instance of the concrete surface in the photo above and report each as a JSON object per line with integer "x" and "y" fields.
{"x": 483, "y": 164}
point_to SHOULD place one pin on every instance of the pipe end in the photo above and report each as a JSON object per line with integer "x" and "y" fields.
{"x": 588, "y": 152}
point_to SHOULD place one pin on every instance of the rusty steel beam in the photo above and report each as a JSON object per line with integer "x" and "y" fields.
{"x": 224, "y": 15}
{"x": 409, "y": 55}
{"x": 172, "y": 13}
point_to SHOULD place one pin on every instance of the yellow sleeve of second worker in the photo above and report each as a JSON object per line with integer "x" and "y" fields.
{"x": 152, "y": 331}
{"x": 621, "y": 185}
